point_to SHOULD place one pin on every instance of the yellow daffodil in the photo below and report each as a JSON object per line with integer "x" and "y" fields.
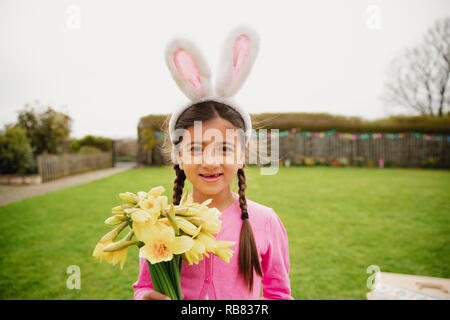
{"x": 186, "y": 211}
{"x": 187, "y": 227}
{"x": 142, "y": 219}
{"x": 161, "y": 245}
{"x": 149, "y": 204}
{"x": 154, "y": 204}
{"x": 119, "y": 245}
{"x": 222, "y": 251}
{"x": 114, "y": 252}
{"x": 98, "y": 251}
{"x": 142, "y": 195}
{"x": 208, "y": 241}
{"x": 195, "y": 254}
{"x": 156, "y": 191}
{"x": 118, "y": 256}
{"x": 118, "y": 251}
{"x": 180, "y": 211}
{"x": 129, "y": 197}
{"x": 115, "y": 219}
{"x": 117, "y": 210}
{"x": 165, "y": 233}
{"x": 163, "y": 202}
{"x": 170, "y": 214}
{"x": 208, "y": 219}
{"x": 162, "y": 223}
{"x": 120, "y": 209}
{"x": 206, "y": 202}
{"x": 105, "y": 241}
{"x": 143, "y": 216}
{"x": 211, "y": 223}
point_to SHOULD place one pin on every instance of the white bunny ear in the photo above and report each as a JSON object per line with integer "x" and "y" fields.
{"x": 238, "y": 55}
{"x": 189, "y": 69}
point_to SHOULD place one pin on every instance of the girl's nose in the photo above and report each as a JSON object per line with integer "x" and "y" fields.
{"x": 211, "y": 157}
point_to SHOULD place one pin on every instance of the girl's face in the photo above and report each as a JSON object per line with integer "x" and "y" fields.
{"x": 211, "y": 152}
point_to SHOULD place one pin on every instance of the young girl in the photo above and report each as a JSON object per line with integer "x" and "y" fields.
{"x": 261, "y": 254}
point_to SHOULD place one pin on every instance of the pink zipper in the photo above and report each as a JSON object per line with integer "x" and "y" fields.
{"x": 212, "y": 290}
{"x": 208, "y": 283}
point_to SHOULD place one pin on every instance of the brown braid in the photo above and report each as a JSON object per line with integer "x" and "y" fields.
{"x": 248, "y": 253}
{"x": 178, "y": 185}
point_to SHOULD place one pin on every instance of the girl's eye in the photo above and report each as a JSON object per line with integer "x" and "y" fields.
{"x": 199, "y": 149}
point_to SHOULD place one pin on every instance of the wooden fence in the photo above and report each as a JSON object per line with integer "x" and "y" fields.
{"x": 409, "y": 150}
{"x": 51, "y": 166}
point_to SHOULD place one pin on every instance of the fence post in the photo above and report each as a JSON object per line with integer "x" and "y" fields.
{"x": 39, "y": 165}
{"x": 113, "y": 153}
{"x": 65, "y": 164}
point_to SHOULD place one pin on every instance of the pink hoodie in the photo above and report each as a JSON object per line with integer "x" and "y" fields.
{"x": 213, "y": 278}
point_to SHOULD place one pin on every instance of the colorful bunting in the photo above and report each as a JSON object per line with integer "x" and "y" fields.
{"x": 340, "y": 135}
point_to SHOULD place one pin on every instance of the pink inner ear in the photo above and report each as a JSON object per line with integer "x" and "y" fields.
{"x": 241, "y": 53}
{"x": 187, "y": 68}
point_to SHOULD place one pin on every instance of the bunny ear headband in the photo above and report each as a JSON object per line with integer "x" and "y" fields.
{"x": 191, "y": 73}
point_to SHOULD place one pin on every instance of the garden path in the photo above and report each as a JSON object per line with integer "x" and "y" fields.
{"x": 12, "y": 193}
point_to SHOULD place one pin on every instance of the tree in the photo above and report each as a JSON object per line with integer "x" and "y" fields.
{"x": 418, "y": 79}
{"x": 16, "y": 155}
{"x": 103, "y": 144}
{"x": 46, "y": 128}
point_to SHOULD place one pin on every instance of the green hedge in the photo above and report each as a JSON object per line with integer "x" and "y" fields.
{"x": 325, "y": 122}
{"x": 103, "y": 144}
{"x": 16, "y": 155}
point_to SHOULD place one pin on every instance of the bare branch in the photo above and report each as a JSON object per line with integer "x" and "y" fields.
{"x": 419, "y": 79}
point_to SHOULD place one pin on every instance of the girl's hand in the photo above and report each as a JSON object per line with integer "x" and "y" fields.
{"x": 154, "y": 295}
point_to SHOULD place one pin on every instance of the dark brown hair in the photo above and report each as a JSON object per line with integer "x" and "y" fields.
{"x": 207, "y": 110}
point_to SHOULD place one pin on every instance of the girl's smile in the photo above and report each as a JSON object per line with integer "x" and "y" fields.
{"x": 211, "y": 177}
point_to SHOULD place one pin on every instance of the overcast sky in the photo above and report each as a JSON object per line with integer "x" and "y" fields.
{"x": 106, "y": 68}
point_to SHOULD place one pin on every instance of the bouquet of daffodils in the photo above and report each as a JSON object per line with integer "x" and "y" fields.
{"x": 165, "y": 235}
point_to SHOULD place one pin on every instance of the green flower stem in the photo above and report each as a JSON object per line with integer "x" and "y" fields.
{"x": 165, "y": 281}
{"x": 162, "y": 282}
{"x": 168, "y": 271}
{"x": 166, "y": 278}
{"x": 129, "y": 222}
{"x": 180, "y": 264}
{"x": 156, "y": 281}
{"x": 176, "y": 277}
{"x": 166, "y": 265}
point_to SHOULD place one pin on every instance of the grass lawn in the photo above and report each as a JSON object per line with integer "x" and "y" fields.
{"x": 339, "y": 222}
